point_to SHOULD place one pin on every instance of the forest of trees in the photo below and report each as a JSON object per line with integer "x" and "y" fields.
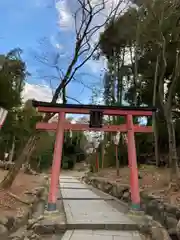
{"x": 142, "y": 49}
{"x": 22, "y": 118}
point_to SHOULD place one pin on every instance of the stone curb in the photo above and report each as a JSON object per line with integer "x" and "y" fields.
{"x": 145, "y": 223}
{"x": 19, "y": 224}
{"x": 52, "y": 226}
{"x": 53, "y": 222}
{"x": 147, "y": 226}
{"x": 102, "y": 226}
{"x": 126, "y": 205}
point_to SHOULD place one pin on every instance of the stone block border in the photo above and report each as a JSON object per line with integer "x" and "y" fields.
{"x": 164, "y": 216}
{"x": 16, "y": 225}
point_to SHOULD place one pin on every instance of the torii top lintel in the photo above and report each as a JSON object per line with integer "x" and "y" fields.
{"x": 85, "y": 109}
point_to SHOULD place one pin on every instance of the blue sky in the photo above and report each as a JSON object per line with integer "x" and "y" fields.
{"x": 23, "y": 24}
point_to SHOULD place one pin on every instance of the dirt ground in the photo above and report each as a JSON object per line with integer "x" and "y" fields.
{"x": 9, "y": 204}
{"x": 153, "y": 180}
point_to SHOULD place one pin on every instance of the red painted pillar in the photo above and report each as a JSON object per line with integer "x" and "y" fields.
{"x": 56, "y": 165}
{"x": 132, "y": 159}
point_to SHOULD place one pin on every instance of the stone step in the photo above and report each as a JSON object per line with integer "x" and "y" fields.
{"x": 88, "y": 215}
{"x": 102, "y": 226}
{"x": 100, "y": 235}
{"x": 56, "y": 225}
{"x": 84, "y": 198}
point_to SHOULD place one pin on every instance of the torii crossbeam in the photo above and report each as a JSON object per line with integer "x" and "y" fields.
{"x": 62, "y": 125}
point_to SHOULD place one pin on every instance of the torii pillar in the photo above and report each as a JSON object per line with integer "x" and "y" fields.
{"x": 128, "y": 127}
{"x": 56, "y": 164}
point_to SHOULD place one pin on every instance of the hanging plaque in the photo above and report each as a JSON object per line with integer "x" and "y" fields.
{"x": 96, "y": 119}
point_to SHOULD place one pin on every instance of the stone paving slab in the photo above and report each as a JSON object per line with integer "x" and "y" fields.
{"x": 69, "y": 180}
{"x": 89, "y": 216}
{"x": 72, "y": 185}
{"x": 100, "y": 235}
{"x": 96, "y": 211}
{"x": 78, "y": 193}
{"x": 86, "y": 198}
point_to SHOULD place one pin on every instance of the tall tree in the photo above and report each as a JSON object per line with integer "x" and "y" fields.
{"x": 12, "y": 76}
{"x": 85, "y": 29}
{"x": 154, "y": 59}
{"x": 164, "y": 41}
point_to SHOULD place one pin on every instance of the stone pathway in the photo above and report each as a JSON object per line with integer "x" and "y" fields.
{"x": 91, "y": 217}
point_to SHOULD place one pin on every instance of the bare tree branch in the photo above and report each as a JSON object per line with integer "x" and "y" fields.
{"x": 74, "y": 99}
{"x": 85, "y": 31}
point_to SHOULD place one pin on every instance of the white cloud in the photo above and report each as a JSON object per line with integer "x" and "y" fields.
{"x": 37, "y": 92}
{"x": 65, "y": 18}
{"x": 55, "y": 43}
{"x": 66, "y": 10}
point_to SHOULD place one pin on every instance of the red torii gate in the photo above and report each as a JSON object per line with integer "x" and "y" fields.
{"x": 62, "y": 124}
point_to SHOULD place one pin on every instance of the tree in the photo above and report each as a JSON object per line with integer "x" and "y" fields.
{"x": 12, "y": 75}
{"x": 23, "y": 127}
{"x": 164, "y": 41}
{"x": 153, "y": 64}
{"x": 85, "y": 29}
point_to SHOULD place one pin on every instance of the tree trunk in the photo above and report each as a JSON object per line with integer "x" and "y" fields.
{"x": 102, "y": 154}
{"x": 11, "y": 155}
{"x": 64, "y": 100}
{"x": 27, "y": 166}
{"x": 117, "y": 160}
{"x": 39, "y": 164}
{"x": 154, "y": 117}
{"x": 156, "y": 137}
{"x": 173, "y": 159}
{"x": 8, "y": 180}
{"x": 26, "y": 151}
